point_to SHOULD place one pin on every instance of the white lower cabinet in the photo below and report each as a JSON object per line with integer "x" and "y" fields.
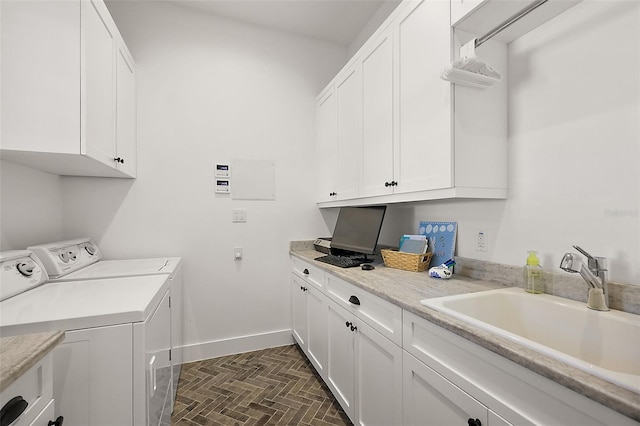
{"x": 430, "y": 399}
{"x": 387, "y": 366}
{"x": 93, "y": 370}
{"x": 299, "y": 312}
{"x": 35, "y": 387}
{"x": 317, "y": 317}
{"x": 467, "y": 377}
{"x": 364, "y": 370}
{"x": 341, "y": 353}
{"x": 309, "y": 321}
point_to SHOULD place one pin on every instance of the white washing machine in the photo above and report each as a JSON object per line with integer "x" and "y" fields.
{"x": 81, "y": 259}
{"x": 113, "y": 367}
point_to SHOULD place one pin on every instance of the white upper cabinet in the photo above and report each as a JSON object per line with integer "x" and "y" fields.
{"x": 424, "y": 150}
{"x": 377, "y": 117}
{"x": 326, "y": 145}
{"x": 126, "y": 117}
{"x": 413, "y": 142}
{"x": 338, "y": 135}
{"x": 349, "y": 110}
{"x": 97, "y": 46}
{"x": 68, "y": 89}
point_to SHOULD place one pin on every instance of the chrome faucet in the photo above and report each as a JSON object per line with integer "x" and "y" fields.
{"x": 594, "y": 274}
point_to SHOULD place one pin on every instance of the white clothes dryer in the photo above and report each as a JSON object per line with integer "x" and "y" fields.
{"x": 113, "y": 366}
{"x": 81, "y": 259}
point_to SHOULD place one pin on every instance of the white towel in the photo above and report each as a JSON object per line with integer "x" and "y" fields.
{"x": 476, "y": 66}
{"x": 470, "y": 70}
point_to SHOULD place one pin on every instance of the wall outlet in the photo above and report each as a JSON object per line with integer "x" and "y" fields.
{"x": 482, "y": 241}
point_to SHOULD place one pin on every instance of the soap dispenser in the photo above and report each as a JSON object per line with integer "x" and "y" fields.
{"x": 533, "y": 274}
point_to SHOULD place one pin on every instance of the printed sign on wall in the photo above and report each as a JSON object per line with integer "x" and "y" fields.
{"x": 442, "y": 239}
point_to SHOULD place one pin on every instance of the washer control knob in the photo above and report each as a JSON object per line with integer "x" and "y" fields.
{"x": 25, "y": 268}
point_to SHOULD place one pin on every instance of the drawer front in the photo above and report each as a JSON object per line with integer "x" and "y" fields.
{"x": 35, "y": 387}
{"x": 311, "y": 274}
{"x": 381, "y": 315}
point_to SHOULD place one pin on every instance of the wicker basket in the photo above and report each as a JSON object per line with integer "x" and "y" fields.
{"x": 407, "y": 261}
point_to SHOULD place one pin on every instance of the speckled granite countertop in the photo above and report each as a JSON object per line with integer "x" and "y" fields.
{"x": 19, "y": 353}
{"x": 406, "y": 289}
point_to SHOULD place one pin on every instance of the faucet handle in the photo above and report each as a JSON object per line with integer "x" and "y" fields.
{"x": 601, "y": 264}
{"x": 584, "y": 253}
{"x": 594, "y": 264}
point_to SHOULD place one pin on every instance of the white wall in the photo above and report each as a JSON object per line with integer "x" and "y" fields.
{"x": 30, "y": 207}
{"x": 211, "y": 90}
{"x": 574, "y": 147}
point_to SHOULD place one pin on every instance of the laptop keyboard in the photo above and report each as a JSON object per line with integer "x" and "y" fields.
{"x": 340, "y": 261}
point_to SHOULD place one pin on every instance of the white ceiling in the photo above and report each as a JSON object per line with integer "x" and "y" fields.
{"x": 337, "y": 21}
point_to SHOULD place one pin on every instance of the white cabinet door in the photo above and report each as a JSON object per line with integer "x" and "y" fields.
{"x": 126, "y": 150}
{"x": 430, "y": 399}
{"x": 92, "y": 374}
{"x": 424, "y": 148}
{"x": 299, "y": 312}
{"x": 309, "y": 315}
{"x": 364, "y": 370}
{"x": 317, "y": 321}
{"x": 40, "y": 110}
{"x": 341, "y": 352}
{"x": 98, "y": 46}
{"x": 378, "y": 364}
{"x": 349, "y": 108}
{"x": 377, "y": 117}
{"x": 326, "y": 146}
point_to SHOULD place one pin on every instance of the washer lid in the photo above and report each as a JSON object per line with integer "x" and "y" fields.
{"x": 82, "y": 304}
{"x": 125, "y": 268}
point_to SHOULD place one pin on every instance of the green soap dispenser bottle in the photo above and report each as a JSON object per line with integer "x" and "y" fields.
{"x": 533, "y": 274}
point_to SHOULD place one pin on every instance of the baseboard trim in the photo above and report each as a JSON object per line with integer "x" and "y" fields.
{"x": 236, "y": 345}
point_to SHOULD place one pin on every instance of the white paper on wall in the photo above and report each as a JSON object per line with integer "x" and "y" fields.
{"x": 253, "y": 180}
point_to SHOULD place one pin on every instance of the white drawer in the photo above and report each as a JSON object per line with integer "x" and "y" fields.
{"x": 382, "y": 315}
{"x": 311, "y": 274}
{"x": 35, "y": 387}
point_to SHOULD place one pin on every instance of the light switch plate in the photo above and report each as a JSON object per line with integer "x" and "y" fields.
{"x": 239, "y": 215}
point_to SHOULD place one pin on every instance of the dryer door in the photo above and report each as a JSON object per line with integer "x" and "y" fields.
{"x": 158, "y": 363}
